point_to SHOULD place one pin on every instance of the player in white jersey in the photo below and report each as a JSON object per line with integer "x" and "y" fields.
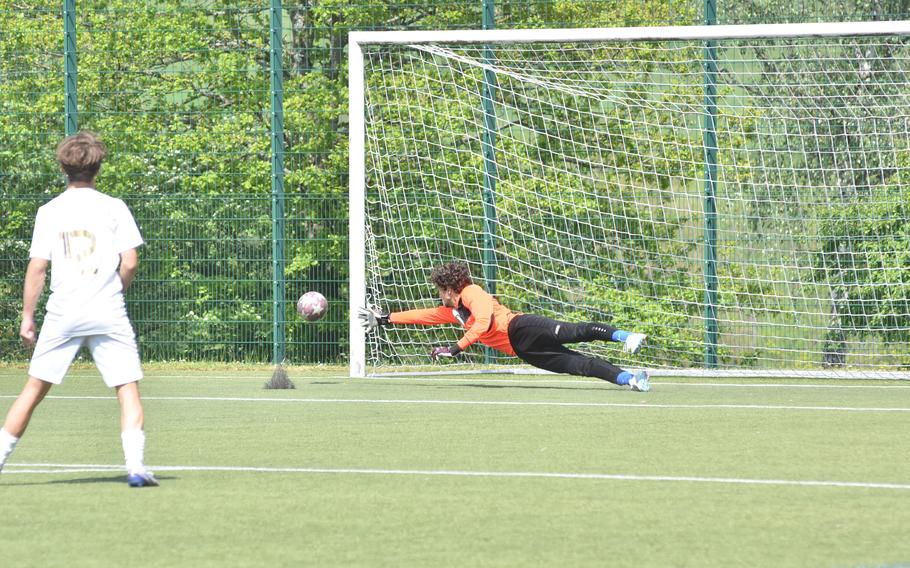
{"x": 90, "y": 240}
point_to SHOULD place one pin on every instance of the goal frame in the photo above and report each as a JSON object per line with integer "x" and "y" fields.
{"x": 357, "y": 125}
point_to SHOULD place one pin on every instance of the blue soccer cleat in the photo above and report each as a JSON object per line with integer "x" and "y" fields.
{"x": 640, "y": 381}
{"x": 144, "y": 479}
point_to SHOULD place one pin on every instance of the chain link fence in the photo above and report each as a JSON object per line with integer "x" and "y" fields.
{"x": 180, "y": 91}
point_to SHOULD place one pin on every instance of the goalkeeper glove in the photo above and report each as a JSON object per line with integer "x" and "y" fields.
{"x": 447, "y": 352}
{"x": 371, "y": 318}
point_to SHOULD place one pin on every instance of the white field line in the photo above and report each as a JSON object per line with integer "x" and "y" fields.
{"x": 495, "y": 403}
{"x": 33, "y": 468}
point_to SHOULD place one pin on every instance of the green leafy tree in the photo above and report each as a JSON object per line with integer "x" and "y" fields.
{"x": 834, "y": 144}
{"x": 865, "y": 259}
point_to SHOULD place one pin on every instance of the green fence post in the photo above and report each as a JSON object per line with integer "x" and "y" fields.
{"x": 71, "y": 112}
{"x": 489, "y": 163}
{"x": 277, "y": 110}
{"x": 710, "y": 205}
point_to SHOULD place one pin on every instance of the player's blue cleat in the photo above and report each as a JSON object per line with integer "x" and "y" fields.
{"x": 144, "y": 479}
{"x": 640, "y": 381}
{"x": 634, "y": 342}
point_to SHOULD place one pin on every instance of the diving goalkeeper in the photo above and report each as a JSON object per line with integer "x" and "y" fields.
{"x": 537, "y": 340}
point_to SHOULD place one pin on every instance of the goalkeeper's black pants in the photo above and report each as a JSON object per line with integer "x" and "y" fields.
{"x": 540, "y": 341}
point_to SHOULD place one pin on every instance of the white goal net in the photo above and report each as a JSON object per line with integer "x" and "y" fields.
{"x": 739, "y": 193}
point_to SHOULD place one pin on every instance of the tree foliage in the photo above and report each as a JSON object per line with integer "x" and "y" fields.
{"x": 179, "y": 90}
{"x": 836, "y": 151}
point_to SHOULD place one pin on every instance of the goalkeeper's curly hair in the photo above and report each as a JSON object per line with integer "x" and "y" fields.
{"x": 453, "y": 275}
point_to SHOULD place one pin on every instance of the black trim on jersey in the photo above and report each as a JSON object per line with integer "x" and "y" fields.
{"x": 461, "y": 313}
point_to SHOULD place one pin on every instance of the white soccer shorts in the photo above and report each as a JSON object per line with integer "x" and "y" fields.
{"x": 115, "y": 354}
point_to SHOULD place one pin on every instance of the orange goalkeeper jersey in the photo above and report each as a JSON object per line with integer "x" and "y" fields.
{"x": 486, "y": 320}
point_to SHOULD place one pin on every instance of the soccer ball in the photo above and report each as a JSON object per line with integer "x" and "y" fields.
{"x": 312, "y": 306}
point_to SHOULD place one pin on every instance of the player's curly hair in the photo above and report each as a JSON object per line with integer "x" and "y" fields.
{"x": 80, "y": 156}
{"x": 453, "y": 275}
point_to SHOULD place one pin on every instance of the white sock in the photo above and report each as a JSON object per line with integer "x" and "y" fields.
{"x": 7, "y": 445}
{"x": 134, "y": 450}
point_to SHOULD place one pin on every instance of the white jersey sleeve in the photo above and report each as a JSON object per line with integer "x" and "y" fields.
{"x": 43, "y": 238}
{"x": 126, "y": 233}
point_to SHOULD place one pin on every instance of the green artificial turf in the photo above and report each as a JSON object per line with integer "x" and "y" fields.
{"x": 462, "y": 471}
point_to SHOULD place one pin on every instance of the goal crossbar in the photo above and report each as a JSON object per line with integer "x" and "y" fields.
{"x": 655, "y": 33}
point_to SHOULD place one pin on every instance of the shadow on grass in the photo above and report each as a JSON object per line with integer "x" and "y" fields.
{"x": 595, "y": 386}
{"x": 531, "y": 387}
{"x": 113, "y": 479}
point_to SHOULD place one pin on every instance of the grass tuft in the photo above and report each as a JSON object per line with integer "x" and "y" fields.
{"x": 279, "y": 380}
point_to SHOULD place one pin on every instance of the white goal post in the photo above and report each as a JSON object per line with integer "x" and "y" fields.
{"x": 737, "y": 192}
